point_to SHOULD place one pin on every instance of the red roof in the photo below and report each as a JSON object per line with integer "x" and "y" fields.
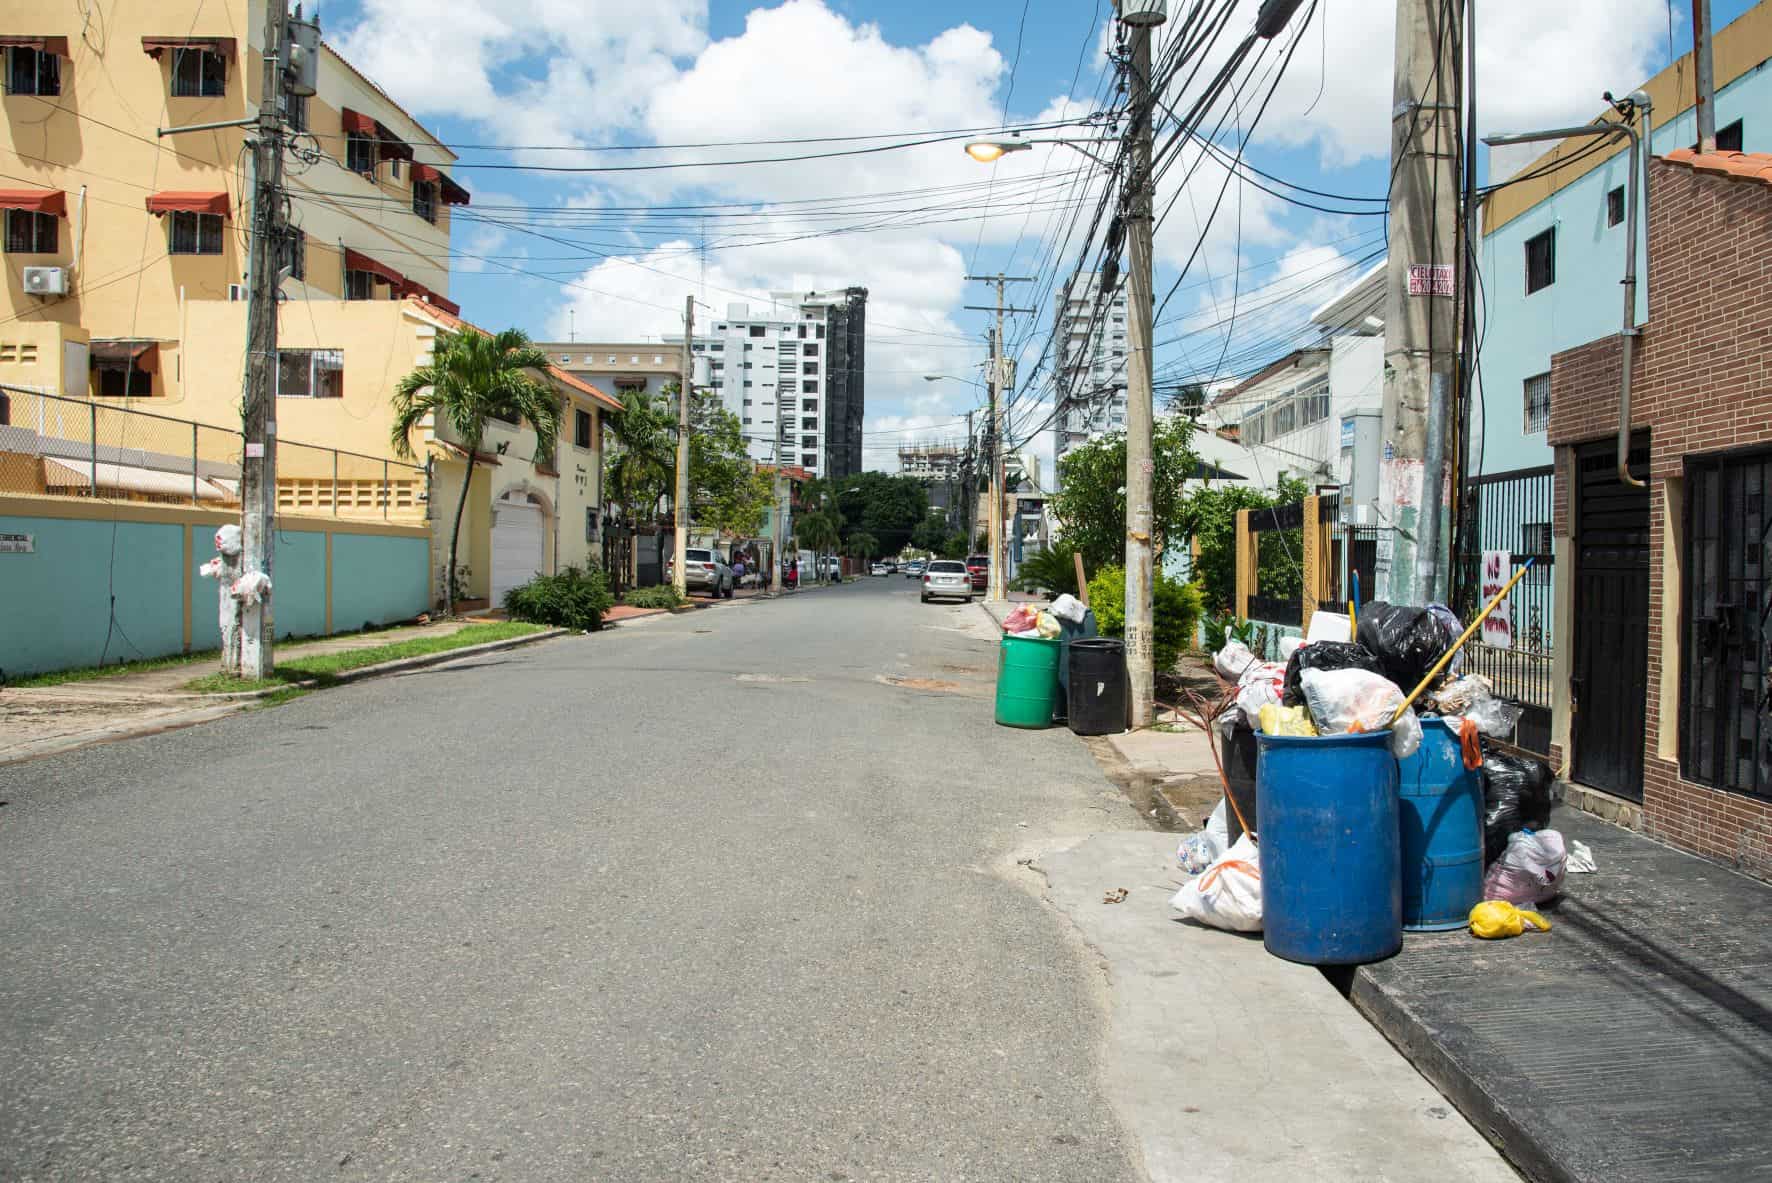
{"x": 1737, "y": 166}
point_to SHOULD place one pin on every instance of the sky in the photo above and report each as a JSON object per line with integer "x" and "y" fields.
{"x": 562, "y": 111}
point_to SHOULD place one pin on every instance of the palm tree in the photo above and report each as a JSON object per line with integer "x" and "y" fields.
{"x": 862, "y": 545}
{"x": 472, "y": 377}
{"x": 820, "y": 530}
{"x": 643, "y": 467}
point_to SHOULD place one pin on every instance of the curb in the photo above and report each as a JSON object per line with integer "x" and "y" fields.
{"x": 397, "y": 665}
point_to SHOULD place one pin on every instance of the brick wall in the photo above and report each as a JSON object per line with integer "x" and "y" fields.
{"x": 1702, "y": 383}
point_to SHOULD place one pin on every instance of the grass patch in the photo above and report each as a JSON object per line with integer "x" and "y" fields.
{"x": 92, "y": 673}
{"x": 325, "y": 667}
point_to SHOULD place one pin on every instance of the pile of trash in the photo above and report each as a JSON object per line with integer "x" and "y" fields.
{"x": 1348, "y": 678}
{"x": 1045, "y": 622}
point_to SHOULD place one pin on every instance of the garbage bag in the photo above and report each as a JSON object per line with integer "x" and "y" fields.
{"x": 1228, "y": 894}
{"x": 1324, "y": 655}
{"x": 1516, "y": 796}
{"x": 1022, "y": 619}
{"x": 1046, "y": 625}
{"x": 1252, "y": 698}
{"x": 1472, "y": 697}
{"x": 1407, "y": 641}
{"x": 1278, "y": 720}
{"x": 1347, "y": 700}
{"x": 1206, "y": 845}
{"x": 1069, "y": 607}
{"x": 1231, "y": 660}
{"x": 1530, "y": 870}
{"x": 1494, "y": 919}
{"x": 1289, "y": 646}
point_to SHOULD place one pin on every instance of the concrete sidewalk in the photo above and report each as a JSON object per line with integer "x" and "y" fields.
{"x": 1233, "y": 1064}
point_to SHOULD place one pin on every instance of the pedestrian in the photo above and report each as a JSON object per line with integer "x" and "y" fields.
{"x": 737, "y": 570}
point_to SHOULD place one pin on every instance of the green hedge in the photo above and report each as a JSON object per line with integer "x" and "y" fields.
{"x": 572, "y": 599}
{"x": 663, "y": 596}
{"x": 1175, "y": 608}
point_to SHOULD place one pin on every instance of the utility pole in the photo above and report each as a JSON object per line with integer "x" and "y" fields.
{"x": 680, "y": 513}
{"x": 1703, "y": 77}
{"x": 1419, "y": 325}
{"x": 1140, "y": 414}
{"x": 1001, "y": 382}
{"x": 258, "y": 467}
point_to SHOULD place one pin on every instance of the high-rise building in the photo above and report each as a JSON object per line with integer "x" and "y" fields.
{"x": 1091, "y": 333}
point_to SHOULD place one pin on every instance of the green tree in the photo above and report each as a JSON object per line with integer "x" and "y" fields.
{"x": 726, "y": 492}
{"x": 887, "y": 506}
{"x": 1209, "y": 517}
{"x": 1091, "y": 500}
{"x": 473, "y": 377}
{"x": 820, "y": 530}
{"x": 641, "y": 468}
{"x": 931, "y": 534}
{"x": 861, "y": 545}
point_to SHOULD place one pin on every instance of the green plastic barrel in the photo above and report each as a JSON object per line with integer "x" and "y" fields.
{"x": 1027, "y": 681}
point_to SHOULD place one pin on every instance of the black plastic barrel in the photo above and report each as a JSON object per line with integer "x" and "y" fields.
{"x": 1239, "y": 772}
{"x": 1096, "y": 696}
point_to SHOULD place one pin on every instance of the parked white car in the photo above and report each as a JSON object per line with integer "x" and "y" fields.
{"x": 703, "y": 571}
{"x": 947, "y": 578}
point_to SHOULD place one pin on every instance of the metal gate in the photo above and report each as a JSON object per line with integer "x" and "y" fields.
{"x": 1725, "y": 694}
{"x": 1511, "y": 511}
{"x": 1609, "y": 689}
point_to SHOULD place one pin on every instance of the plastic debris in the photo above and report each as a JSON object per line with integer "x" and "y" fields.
{"x": 1228, "y": 894}
{"x": 1516, "y": 796}
{"x": 1530, "y": 870}
{"x": 1231, "y": 660}
{"x": 1282, "y": 720}
{"x": 1069, "y": 607}
{"x": 1254, "y": 697}
{"x": 1349, "y": 700}
{"x": 1406, "y": 641}
{"x": 1023, "y": 619}
{"x": 1046, "y": 625}
{"x": 1116, "y": 896}
{"x": 1329, "y": 626}
{"x": 1204, "y": 846}
{"x": 1494, "y": 919}
{"x": 1472, "y": 697}
{"x": 227, "y": 540}
{"x": 1581, "y": 858}
{"x": 251, "y": 587}
{"x": 1289, "y": 646}
{"x": 1324, "y": 655}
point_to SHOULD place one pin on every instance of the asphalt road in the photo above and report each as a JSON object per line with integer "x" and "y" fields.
{"x": 704, "y": 897}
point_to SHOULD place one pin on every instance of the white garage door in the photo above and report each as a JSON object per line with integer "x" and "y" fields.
{"x": 516, "y": 548}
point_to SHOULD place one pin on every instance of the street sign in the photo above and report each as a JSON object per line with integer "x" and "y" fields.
{"x": 1498, "y": 627}
{"x": 1430, "y": 279}
{"x": 18, "y": 544}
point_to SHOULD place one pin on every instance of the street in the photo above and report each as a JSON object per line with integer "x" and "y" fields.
{"x": 702, "y": 897}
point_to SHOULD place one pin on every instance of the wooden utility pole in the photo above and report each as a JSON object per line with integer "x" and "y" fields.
{"x": 258, "y": 466}
{"x": 1002, "y": 381}
{"x": 1419, "y": 325}
{"x": 1140, "y": 413}
{"x": 680, "y": 510}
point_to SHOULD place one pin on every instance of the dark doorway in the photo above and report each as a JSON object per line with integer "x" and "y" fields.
{"x": 1610, "y": 684}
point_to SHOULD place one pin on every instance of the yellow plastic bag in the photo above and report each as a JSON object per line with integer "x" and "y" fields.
{"x": 1494, "y": 919}
{"x": 1278, "y": 720}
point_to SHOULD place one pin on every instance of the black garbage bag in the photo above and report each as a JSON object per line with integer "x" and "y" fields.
{"x": 1516, "y": 796}
{"x": 1323, "y": 655}
{"x": 1407, "y": 641}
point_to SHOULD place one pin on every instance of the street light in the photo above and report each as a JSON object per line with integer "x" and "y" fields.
{"x": 991, "y": 151}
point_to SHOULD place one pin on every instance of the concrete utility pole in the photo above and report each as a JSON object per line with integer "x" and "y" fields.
{"x": 1001, "y": 383}
{"x": 1704, "y": 77}
{"x": 1140, "y": 414}
{"x": 258, "y": 468}
{"x": 1420, "y": 329}
{"x": 680, "y": 511}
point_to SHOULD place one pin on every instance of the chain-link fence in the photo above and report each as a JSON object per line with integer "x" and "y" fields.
{"x": 79, "y": 448}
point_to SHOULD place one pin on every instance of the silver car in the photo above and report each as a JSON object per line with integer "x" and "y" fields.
{"x": 703, "y": 572}
{"x": 947, "y": 577}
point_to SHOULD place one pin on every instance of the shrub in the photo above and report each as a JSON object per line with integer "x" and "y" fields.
{"x": 572, "y": 599}
{"x": 1052, "y": 569}
{"x": 662, "y": 596}
{"x": 1175, "y": 609}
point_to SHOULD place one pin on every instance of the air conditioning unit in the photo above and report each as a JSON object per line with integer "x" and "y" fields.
{"x": 236, "y": 291}
{"x": 46, "y": 281}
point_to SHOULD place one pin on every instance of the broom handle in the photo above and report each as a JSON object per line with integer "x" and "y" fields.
{"x": 1459, "y": 644}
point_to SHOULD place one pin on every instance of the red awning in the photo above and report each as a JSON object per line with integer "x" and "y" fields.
{"x": 155, "y": 46}
{"x": 42, "y": 201}
{"x": 358, "y": 261}
{"x": 390, "y": 146}
{"x": 424, "y": 172}
{"x": 358, "y": 122}
{"x": 450, "y": 192}
{"x": 56, "y": 45}
{"x": 173, "y": 201}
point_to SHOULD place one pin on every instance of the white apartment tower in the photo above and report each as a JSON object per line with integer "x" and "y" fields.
{"x": 1091, "y": 362}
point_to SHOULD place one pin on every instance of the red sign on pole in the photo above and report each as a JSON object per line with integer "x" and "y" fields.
{"x": 1430, "y": 279}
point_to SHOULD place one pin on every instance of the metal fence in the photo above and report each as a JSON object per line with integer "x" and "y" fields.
{"x": 89, "y": 448}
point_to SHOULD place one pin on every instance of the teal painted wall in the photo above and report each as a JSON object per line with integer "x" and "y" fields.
{"x": 378, "y": 580}
{"x": 55, "y": 604}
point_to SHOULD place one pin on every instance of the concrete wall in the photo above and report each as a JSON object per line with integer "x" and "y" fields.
{"x": 110, "y": 581}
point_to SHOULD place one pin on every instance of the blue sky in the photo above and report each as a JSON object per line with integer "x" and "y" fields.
{"x": 613, "y": 253}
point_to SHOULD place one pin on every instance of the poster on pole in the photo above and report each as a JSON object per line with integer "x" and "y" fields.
{"x": 1498, "y": 627}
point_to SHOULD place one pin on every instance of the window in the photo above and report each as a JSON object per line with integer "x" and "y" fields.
{"x": 30, "y": 233}
{"x": 360, "y": 154}
{"x": 756, "y": 331}
{"x": 424, "y": 200}
{"x": 1538, "y": 394}
{"x": 359, "y": 285}
{"x": 115, "y": 377}
{"x": 394, "y": 167}
{"x": 581, "y": 429}
{"x": 1535, "y": 540}
{"x": 821, "y": 332}
{"x": 809, "y": 387}
{"x": 295, "y": 253}
{"x": 809, "y": 404}
{"x": 809, "y": 441}
{"x": 310, "y": 373}
{"x": 295, "y": 111}
{"x": 802, "y": 332}
{"x": 1541, "y": 260}
{"x": 31, "y": 71}
{"x": 1729, "y": 137}
{"x": 747, "y": 420}
{"x": 747, "y": 402}
{"x": 193, "y": 234}
{"x": 199, "y": 74}
{"x": 809, "y": 460}
{"x": 809, "y": 367}
{"x": 809, "y": 422}
{"x": 811, "y": 350}
{"x": 1615, "y": 206}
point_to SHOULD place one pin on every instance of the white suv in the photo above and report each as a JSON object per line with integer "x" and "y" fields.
{"x": 702, "y": 571}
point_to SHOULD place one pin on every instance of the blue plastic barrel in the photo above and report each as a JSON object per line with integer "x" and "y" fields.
{"x": 1440, "y": 809}
{"x": 1331, "y": 883}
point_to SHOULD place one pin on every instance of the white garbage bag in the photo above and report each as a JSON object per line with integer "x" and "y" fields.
{"x": 1069, "y": 607}
{"x": 1228, "y": 894}
{"x": 1530, "y": 871}
{"x": 1231, "y": 660}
